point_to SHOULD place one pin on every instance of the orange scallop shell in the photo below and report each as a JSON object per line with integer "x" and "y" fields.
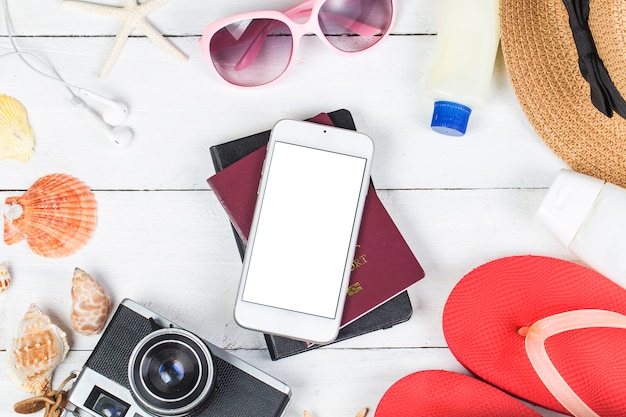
{"x": 5, "y": 277}
{"x": 90, "y": 304}
{"x": 56, "y": 216}
{"x": 38, "y": 347}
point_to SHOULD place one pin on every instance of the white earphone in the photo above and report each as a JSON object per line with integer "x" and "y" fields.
{"x": 114, "y": 112}
{"x": 111, "y": 117}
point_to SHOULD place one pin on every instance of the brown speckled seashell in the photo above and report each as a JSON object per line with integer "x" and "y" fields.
{"x": 16, "y": 136}
{"x": 35, "y": 351}
{"x": 5, "y": 277}
{"x": 56, "y": 216}
{"x": 90, "y": 304}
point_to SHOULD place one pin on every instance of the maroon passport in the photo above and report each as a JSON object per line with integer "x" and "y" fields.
{"x": 383, "y": 265}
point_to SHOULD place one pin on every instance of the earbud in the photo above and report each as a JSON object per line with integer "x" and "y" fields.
{"x": 114, "y": 112}
{"x": 115, "y": 115}
{"x": 120, "y": 135}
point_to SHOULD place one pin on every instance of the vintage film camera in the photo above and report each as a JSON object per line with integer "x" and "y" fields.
{"x": 145, "y": 366}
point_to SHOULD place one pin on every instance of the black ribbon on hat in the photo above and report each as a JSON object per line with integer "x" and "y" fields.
{"x": 604, "y": 95}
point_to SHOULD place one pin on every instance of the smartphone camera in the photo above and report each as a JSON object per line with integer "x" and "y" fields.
{"x": 145, "y": 366}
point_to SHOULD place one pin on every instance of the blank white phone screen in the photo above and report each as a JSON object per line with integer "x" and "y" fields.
{"x": 304, "y": 229}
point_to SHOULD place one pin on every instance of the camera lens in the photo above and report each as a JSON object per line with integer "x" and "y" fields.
{"x": 171, "y": 372}
{"x": 170, "y": 369}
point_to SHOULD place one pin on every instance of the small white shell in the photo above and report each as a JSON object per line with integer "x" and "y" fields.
{"x": 5, "y": 277}
{"x": 90, "y": 304}
{"x": 35, "y": 351}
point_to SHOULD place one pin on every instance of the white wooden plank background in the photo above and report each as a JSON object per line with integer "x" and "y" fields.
{"x": 162, "y": 237}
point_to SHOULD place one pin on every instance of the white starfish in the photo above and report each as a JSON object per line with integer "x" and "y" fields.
{"x": 133, "y": 16}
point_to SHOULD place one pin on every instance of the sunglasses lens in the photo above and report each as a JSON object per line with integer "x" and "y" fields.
{"x": 355, "y": 25}
{"x": 251, "y": 52}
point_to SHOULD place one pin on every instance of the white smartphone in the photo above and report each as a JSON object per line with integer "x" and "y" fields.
{"x": 304, "y": 231}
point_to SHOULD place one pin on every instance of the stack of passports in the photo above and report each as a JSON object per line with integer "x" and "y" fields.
{"x": 383, "y": 267}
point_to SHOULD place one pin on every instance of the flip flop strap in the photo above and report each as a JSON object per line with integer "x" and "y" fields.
{"x": 549, "y": 375}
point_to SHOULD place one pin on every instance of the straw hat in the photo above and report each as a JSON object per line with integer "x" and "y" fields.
{"x": 543, "y": 65}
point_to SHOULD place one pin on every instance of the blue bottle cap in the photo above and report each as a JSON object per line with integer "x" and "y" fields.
{"x": 450, "y": 118}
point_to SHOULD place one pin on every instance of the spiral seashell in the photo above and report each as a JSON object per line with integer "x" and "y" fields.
{"x": 16, "y": 136}
{"x": 38, "y": 347}
{"x": 56, "y": 216}
{"x": 5, "y": 277}
{"x": 90, "y": 304}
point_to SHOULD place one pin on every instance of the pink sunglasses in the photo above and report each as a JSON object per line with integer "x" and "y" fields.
{"x": 256, "y": 48}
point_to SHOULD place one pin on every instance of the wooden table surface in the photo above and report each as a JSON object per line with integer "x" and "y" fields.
{"x": 162, "y": 237}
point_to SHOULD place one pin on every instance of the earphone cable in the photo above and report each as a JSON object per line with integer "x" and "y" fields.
{"x": 75, "y": 100}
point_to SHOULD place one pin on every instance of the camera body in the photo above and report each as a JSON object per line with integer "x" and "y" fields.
{"x": 145, "y": 366}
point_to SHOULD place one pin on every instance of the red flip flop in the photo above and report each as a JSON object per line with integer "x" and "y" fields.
{"x": 445, "y": 394}
{"x": 545, "y": 330}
